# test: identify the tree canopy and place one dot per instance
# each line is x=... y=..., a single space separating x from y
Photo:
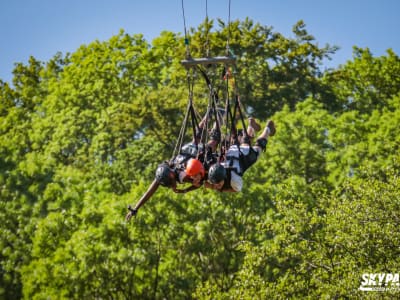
x=82 y=134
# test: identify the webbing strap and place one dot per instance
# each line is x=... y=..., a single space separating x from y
x=237 y=109
x=190 y=113
x=195 y=124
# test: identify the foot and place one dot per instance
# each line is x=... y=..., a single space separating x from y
x=253 y=123
x=271 y=127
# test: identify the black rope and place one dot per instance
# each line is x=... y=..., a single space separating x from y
x=228 y=118
x=190 y=113
x=186 y=35
x=231 y=116
x=212 y=109
x=229 y=29
x=212 y=106
x=237 y=102
x=195 y=126
x=207 y=33
x=179 y=142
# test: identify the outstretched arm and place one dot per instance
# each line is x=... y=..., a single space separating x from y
x=188 y=189
x=146 y=196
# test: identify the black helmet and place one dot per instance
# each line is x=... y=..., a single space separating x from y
x=216 y=173
x=163 y=174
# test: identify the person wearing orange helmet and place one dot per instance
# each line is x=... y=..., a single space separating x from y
x=186 y=167
x=195 y=171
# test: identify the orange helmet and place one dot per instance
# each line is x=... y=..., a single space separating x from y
x=194 y=167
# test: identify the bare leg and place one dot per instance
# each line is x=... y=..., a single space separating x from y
x=269 y=130
x=253 y=127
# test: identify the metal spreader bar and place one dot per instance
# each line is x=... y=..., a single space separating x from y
x=191 y=62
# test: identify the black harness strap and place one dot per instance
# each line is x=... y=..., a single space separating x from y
x=245 y=160
x=212 y=108
x=195 y=124
x=234 y=133
x=190 y=113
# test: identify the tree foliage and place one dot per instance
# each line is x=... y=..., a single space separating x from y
x=81 y=136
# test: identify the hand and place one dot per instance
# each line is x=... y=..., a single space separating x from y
x=132 y=212
x=208 y=185
x=177 y=191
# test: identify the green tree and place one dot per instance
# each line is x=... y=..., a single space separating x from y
x=81 y=135
x=364 y=83
x=272 y=70
x=322 y=252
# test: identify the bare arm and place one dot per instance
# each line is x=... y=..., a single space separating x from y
x=188 y=189
x=146 y=196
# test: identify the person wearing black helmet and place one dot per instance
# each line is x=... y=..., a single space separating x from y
x=238 y=160
x=216 y=177
x=166 y=175
x=184 y=168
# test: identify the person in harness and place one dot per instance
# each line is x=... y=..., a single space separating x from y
x=189 y=166
x=169 y=176
x=227 y=176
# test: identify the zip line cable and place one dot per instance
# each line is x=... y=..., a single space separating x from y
x=229 y=28
x=186 y=35
x=207 y=37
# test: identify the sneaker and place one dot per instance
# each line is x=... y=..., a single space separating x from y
x=253 y=123
x=271 y=127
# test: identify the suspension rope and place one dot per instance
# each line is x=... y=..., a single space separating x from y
x=228 y=113
x=212 y=95
x=207 y=37
x=189 y=113
x=186 y=34
x=235 y=113
x=229 y=29
x=233 y=110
